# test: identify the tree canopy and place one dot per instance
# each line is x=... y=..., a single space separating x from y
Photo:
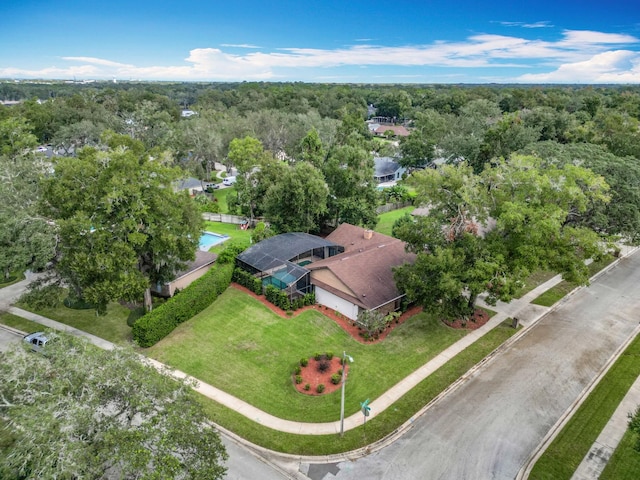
x=122 y=225
x=488 y=231
x=82 y=412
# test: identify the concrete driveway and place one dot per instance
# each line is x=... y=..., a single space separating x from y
x=488 y=427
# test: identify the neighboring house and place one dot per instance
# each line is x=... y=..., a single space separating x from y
x=194 y=270
x=192 y=184
x=280 y=260
x=387 y=169
x=350 y=271
x=187 y=113
x=361 y=278
x=398 y=131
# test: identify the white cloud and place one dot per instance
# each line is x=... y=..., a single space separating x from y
x=575 y=51
x=239 y=45
x=541 y=24
x=97 y=61
x=619 y=66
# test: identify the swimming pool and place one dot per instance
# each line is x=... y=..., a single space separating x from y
x=210 y=239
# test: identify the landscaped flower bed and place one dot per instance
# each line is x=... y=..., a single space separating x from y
x=319 y=371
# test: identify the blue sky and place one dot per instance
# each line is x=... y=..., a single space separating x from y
x=457 y=41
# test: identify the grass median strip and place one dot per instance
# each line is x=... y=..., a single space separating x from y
x=558 y=292
x=19 y=323
x=568 y=449
x=376 y=428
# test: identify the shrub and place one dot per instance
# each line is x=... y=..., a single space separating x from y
x=323 y=366
x=329 y=355
x=247 y=280
x=335 y=378
x=320 y=388
x=340 y=372
x=297 y=370
x=42 y=296
x=298 y=379
x=307 y=387
x=231 y=251
x=304 y=362
x=318 y=357
x=160 y=322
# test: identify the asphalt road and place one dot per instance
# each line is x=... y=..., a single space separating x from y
x=488 y=427
x=7 y=338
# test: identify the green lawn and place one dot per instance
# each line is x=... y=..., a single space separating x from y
x=386 y=220
x=19 y=323
x=536 y=278
x=221 y=197
x=624 y=464
x=376 y=428
x=554 y=294
x=237 y=235
x=14 y=277
x=240 y=346
x=114 y=326
x=568 y=449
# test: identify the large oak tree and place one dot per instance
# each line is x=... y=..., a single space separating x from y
x=122 y=226
x=489 y=231
x=81 y=412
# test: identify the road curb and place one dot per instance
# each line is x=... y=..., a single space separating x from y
x=568 y=414
x=525 y=470
x=13 y=330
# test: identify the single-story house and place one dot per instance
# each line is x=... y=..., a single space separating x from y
x=192 y=271
x=192 y=184
x=387 y=169
x=281 y=260
x=350 y=270
x=398 y=130
x=361 y=278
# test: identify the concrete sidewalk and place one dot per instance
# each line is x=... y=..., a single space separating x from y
x=521 y=308
x=594 y=462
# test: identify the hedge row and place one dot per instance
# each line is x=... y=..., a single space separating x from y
x=160 y=322
x=280 y=299
x=247 y=280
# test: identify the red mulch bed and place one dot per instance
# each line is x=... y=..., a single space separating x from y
x=347 y=325
x=478 y=319
x=312 y=376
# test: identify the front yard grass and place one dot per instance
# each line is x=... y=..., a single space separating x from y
x=376 y=428
x=19 y=323
x=568 y=449
x=387 y=219
x=114 y=326
x=558 y=292
x=240 y=346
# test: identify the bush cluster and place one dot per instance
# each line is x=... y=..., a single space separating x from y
x=231 y=251
x=247 y=280
x=280 y=299
x=160 y=322
x=335 y=378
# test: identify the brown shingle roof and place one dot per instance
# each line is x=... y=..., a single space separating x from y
x=366 y=267
x=202 y=259
x=397 y=130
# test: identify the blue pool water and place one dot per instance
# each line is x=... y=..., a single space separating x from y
x=210 y=239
